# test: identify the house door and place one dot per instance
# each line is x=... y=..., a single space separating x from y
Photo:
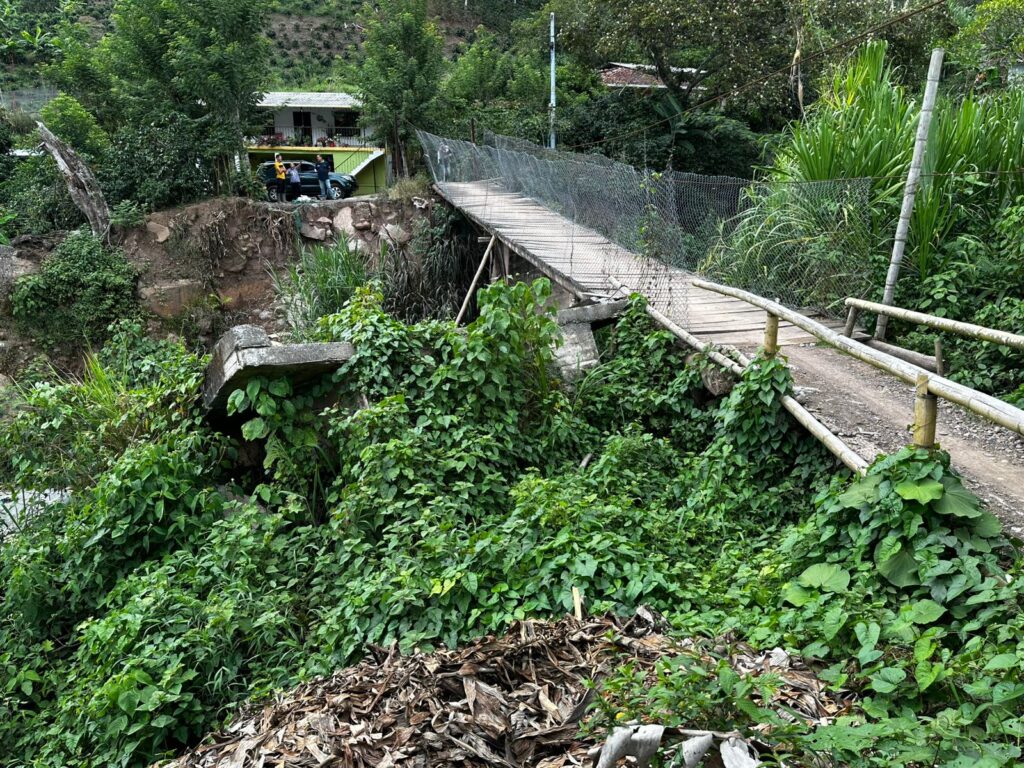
x=303 y=124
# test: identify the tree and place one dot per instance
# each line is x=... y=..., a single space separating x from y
x=993 y=39
x=70 y=121
x=168 y=61
x=724 y=49
x=401 y=72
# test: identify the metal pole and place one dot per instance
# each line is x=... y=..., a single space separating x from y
x=554 y=102
x=913 y=177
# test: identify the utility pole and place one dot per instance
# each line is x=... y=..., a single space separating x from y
x=913 y=177
x=551 y=107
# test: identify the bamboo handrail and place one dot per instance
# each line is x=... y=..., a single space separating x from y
x=986 y=406
x=969 y=330
x=805 y=418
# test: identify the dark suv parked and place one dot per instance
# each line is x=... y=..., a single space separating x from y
x=342 y=184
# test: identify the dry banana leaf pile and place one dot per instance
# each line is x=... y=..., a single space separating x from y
x=515 y=700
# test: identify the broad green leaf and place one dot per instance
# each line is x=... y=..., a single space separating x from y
x=861 y=492
x=957 y=500
x=927 y=672
x=867 y=634
x=987 y=525
x=923 y=491
x=1002 y=661
x=925 y=611
x=900 y=569
x=128 y=701
x=796 y=595
x=255 y=429
x=886 y=680
x=826 y=577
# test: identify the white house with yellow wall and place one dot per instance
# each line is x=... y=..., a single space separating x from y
x=302 y=124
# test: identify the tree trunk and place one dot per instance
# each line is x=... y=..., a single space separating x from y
x=82 y=185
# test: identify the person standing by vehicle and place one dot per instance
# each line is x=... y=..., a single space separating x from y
x=279 y=177
x=323 y=168
x=294 y=181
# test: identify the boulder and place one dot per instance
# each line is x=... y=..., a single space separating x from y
x=358 y=245
x=313 y=232
x=362 y=217
x=159 y=231
x=234 y=261
x=396 y=234
x=343 y=221
x=171 y=299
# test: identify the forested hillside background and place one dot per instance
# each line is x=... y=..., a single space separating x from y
x=484 y=64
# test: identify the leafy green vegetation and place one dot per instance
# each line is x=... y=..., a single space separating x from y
x=436 y=488
x=81 y=289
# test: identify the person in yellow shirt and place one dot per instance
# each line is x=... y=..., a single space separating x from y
x=279 y=174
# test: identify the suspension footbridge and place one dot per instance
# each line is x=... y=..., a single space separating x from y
x=705 y=256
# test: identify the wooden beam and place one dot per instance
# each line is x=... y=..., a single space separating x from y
x=476 y=279
x=986 y=406
x=925 y=414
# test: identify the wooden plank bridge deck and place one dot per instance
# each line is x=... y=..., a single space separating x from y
x=865 y=407
x=583 y=260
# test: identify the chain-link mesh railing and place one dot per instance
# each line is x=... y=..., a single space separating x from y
x=807 y=244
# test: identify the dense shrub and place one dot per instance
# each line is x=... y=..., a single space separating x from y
x=81 y=289
x=70 y=121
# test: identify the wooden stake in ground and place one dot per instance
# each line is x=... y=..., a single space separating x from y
x=476 y=279
x=82 y=185
x=913 y=177
x=925 y=414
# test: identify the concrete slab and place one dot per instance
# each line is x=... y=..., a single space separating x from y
x=245 y=352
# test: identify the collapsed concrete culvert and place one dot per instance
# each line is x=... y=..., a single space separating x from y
x=514 y=700
x=246 y=351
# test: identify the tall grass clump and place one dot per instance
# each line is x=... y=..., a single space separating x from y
x=864 y=127
x=322 y=281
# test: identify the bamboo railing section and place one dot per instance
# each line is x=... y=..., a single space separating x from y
x=992 y=408
x=970 y=330
x=805 y=418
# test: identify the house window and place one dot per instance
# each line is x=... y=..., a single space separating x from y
x=345 y=121
x=303 y=124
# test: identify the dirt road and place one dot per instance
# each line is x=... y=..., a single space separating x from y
x=872 y=412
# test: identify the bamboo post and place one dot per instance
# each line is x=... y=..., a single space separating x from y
x=940 y=362
x=771 y=335
x=476 y=279
x=851 y=321
x=913 y=177
x=925 y=414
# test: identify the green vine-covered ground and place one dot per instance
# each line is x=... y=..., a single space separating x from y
x=434 y=489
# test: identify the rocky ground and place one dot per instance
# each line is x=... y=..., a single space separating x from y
x=208 y=266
